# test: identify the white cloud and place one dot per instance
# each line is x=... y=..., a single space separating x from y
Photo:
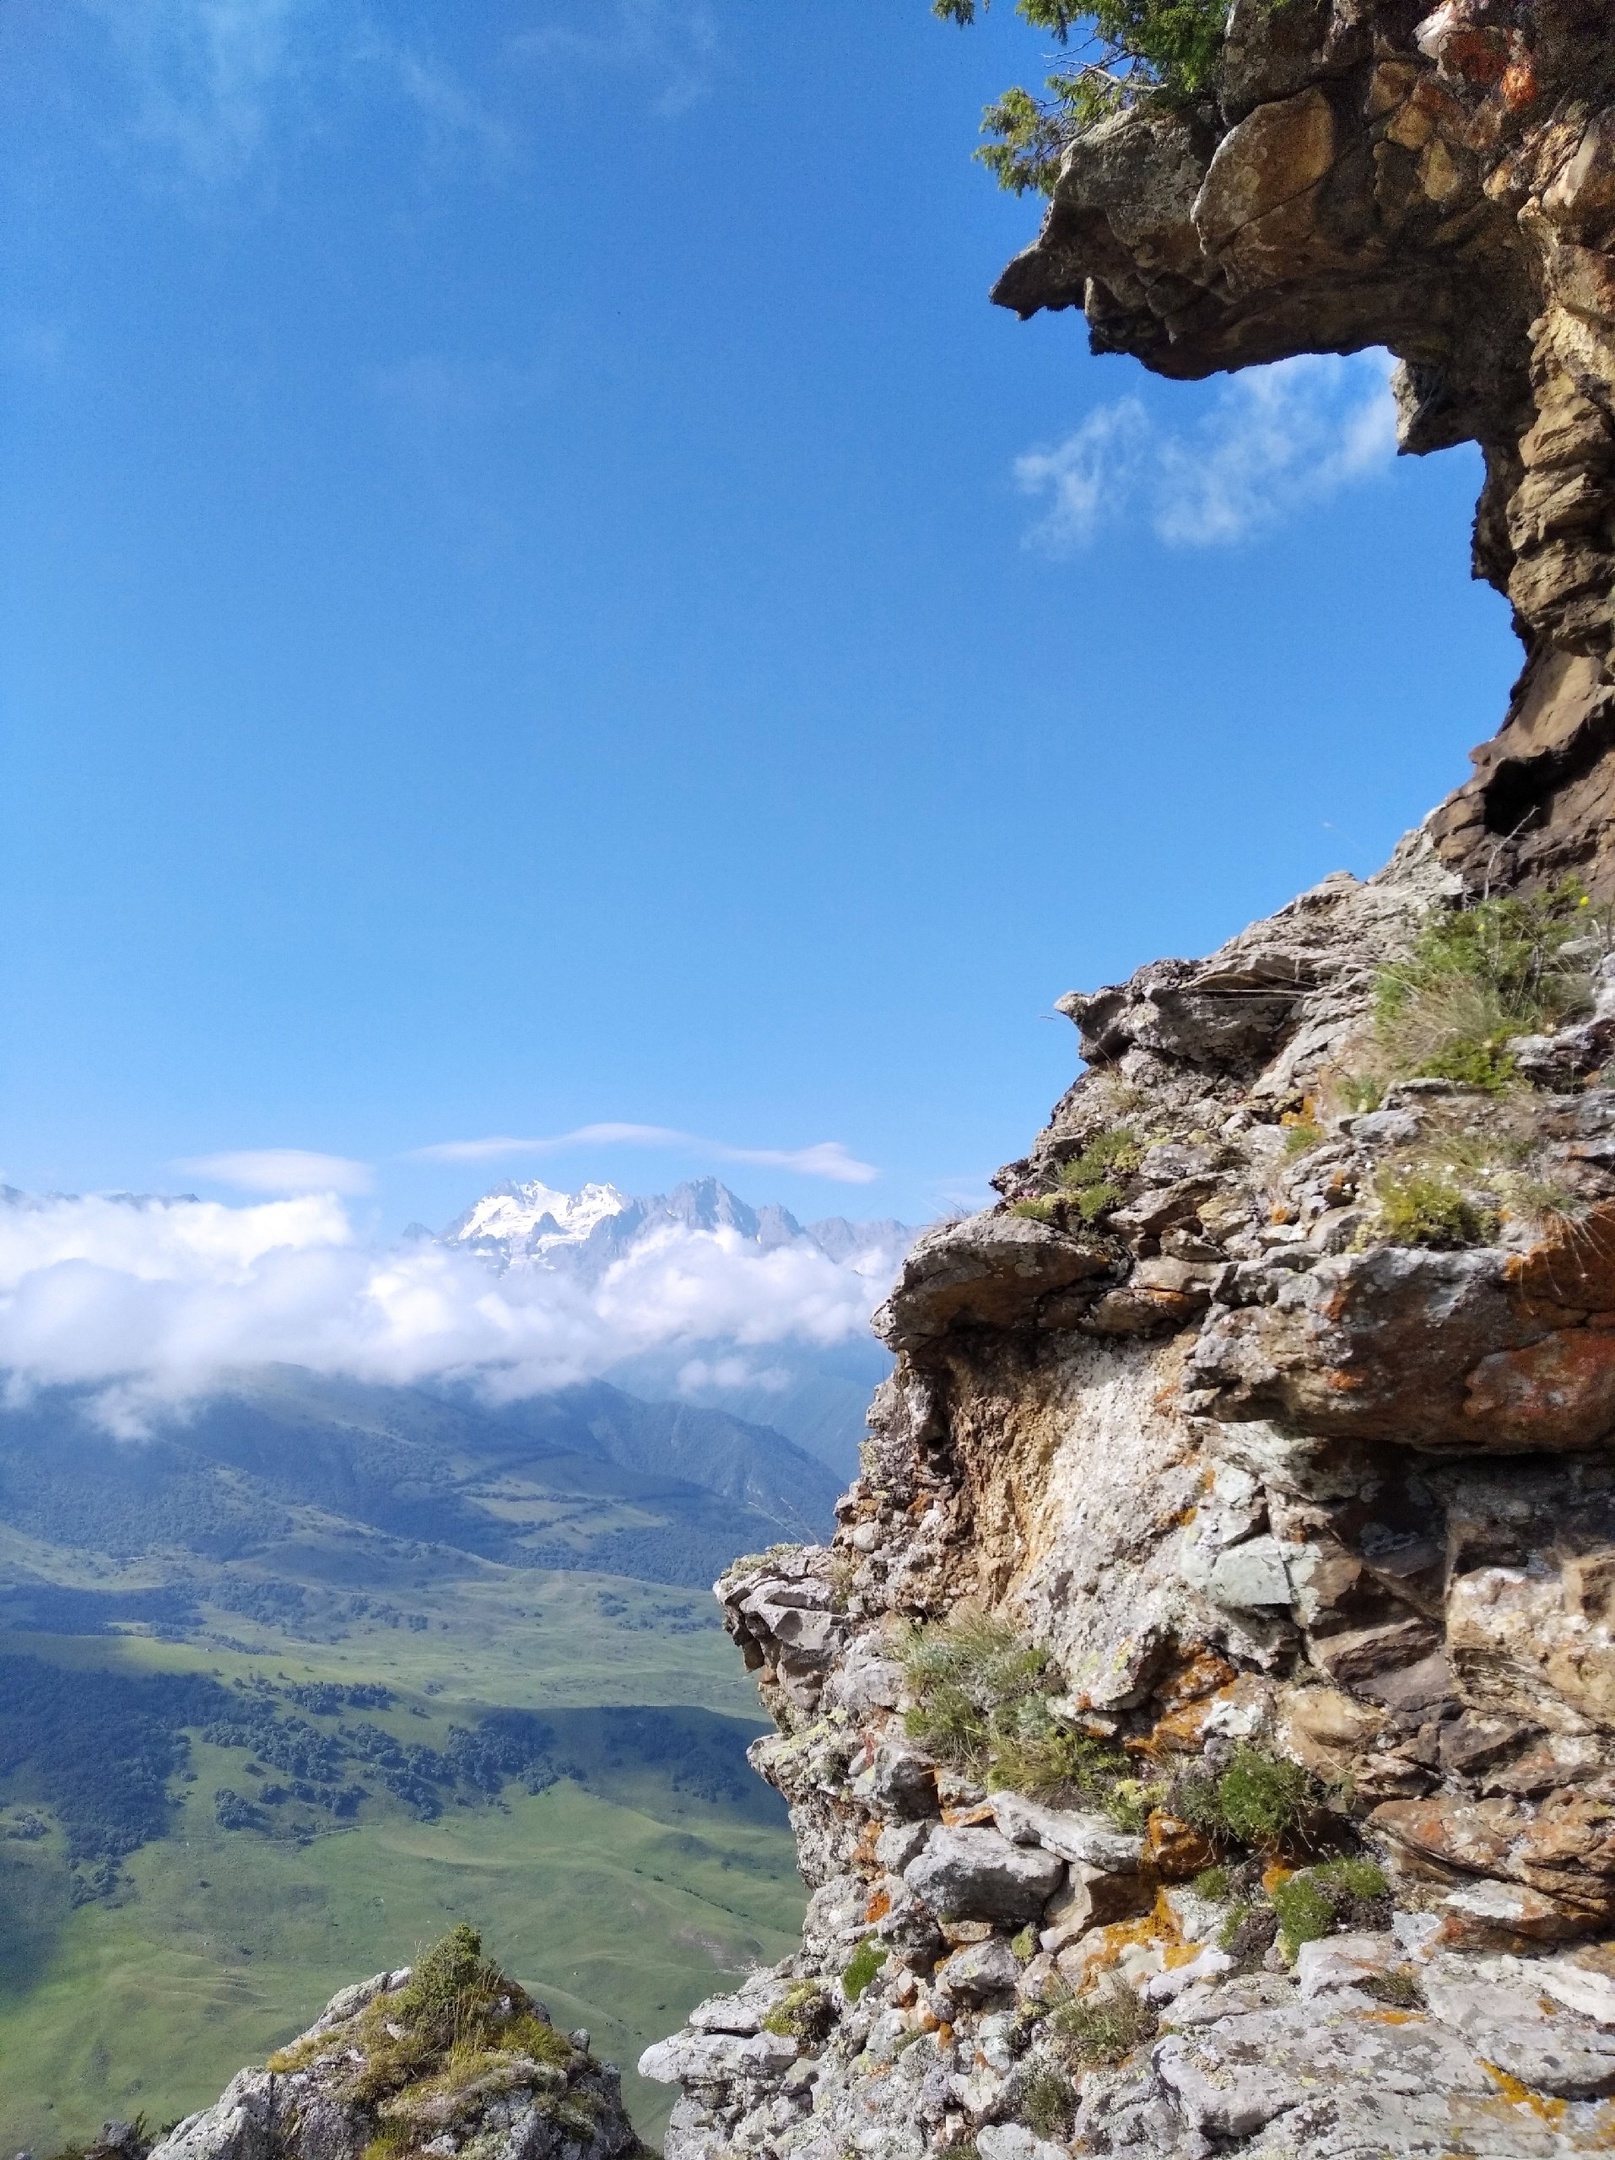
x=282 y=1170
x=209 y=80
x=1277 y=439
x=826 y=1159
x=204 y=73
x=672 y=45
x=152 y=1302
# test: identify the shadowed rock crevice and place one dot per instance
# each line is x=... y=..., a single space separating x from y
x=1440 y=182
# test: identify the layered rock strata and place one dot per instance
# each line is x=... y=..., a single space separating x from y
x=1441 y=182
x=1255 y=1477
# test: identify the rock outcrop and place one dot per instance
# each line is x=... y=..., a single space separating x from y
x=1270 y=1491
x=1439 y=181
x=451 y=2059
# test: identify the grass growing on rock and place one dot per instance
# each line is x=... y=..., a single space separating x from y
x=1425 y=1207
x=1086 y=1184
x=1048 y=2102
x=1515 y=965
x=983 y=1702
x=1259 y=1800
x=459 y=2031
x=1103 y=2027
x=804 y=2013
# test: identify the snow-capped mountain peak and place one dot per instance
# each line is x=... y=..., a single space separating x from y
x=532 y=1225
x=530 y=1221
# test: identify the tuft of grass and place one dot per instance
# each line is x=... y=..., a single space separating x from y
x=1359 y=1092
x=458 y=2021
x=1258 y=1800
x=1211 y=1884
x=1301 y=1136
x=1048 y=2102
x=1104 y=2027
x=1043 y=1208
x=1090 y=1178
x=1357 y=1877
x=1424 y=1207
x=1228 y=1933
x=982 y=1704
x=1477 y=976
x=865 y=1962
x=1306 y=1912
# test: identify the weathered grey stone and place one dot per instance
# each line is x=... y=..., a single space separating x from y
x=979 y=1875
x=1093 y=1839
x=713 y=2057
x=979 y=1972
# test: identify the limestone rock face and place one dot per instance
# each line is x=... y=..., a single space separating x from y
x=1439 y=180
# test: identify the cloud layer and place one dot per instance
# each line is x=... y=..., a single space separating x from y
x=1278 y=439
x=825 y=1159
x=282 y=1170
x=151 y=1302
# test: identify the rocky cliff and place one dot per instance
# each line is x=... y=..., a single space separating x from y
x=1200 y=1733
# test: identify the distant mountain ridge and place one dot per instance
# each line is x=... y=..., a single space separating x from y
x=816 y=1395
x=587 y=1478
x=535 y=1225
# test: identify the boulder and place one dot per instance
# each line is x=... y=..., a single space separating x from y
x=992 y=1271
x=1092 y=1839
x=980 y=1875
x=979 y=1972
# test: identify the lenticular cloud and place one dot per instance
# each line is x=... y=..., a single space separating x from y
x=152 y=1302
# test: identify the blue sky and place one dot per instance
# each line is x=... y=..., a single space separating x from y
x=538 y=594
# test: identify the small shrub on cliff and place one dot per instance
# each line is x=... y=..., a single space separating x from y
x=1306 y=1912
x=1424 y=1207
x=1090 y=1178
x=1477 y=976
x=459 y=2021
x=982 y=1704
x=1123 y=51
x=1104 y=2027
x=1048 y=2102
x=1258 y=1800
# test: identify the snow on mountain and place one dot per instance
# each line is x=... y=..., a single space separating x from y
x=815 y=1392
x=534 y=1226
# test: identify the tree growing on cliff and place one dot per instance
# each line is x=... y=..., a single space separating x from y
x=1114 y=53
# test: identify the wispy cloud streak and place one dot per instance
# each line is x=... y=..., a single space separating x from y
x=825 y=1159
x=1277 y=440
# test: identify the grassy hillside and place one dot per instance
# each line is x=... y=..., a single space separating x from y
x=636 y=1882
x=288 y=1687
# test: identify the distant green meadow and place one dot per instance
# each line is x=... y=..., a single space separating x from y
x=648 y=1869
